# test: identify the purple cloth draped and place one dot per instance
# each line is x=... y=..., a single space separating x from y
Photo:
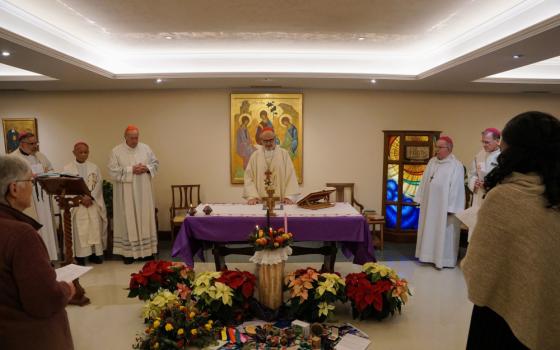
x=352 y=232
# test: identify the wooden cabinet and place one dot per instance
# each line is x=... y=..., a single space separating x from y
x=405 y=156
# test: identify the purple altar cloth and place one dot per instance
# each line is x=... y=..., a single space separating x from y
x=352 y=232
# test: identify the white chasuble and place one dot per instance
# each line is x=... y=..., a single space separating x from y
x=441 y=194
x=41 y=207
x=89 y=225
x=134 y=223
x=482 y=164
x=283 y=175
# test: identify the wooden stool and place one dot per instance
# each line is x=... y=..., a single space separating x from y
x=374 y=219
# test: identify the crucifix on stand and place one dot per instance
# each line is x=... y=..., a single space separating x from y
x=270 y=200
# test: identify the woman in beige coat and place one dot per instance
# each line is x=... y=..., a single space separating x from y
x=512 y=266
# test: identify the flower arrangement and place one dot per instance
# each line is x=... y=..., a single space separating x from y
x=179 y=327
x=270 y=239
x=159 y=301
x=313 y=294
x=156 y=275
x=226 y=294
x=376 y=292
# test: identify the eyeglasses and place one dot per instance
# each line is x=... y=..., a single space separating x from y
x=30 y=180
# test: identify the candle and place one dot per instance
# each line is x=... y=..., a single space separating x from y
x=285 y=220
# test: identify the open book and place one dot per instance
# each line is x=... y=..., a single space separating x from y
x=317 y=199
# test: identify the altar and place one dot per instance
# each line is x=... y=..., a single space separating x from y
x=338 y=226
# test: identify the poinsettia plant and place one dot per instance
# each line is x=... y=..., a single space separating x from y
x=270 y=239
x=313 y=294
x=225 y=294
x=179 y=327
x=159 y=274
x=376 y=292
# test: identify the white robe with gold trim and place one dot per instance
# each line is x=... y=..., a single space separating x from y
x=134 y=223
x=89 y=225
x=41 y=209
x=283 y=175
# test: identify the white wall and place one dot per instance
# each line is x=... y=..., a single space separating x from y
x=189 y=131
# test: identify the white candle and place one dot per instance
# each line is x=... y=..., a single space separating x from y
x=285 y=220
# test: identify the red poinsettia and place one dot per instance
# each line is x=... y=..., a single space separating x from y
x=365 y=293
x=159 y=274
x=237 y=279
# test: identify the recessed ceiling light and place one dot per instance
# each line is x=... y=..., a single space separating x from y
x=361 y=38
x=373 y=81
x=168 y=37
x=517 y=56
x=159 y=81
x=6 y=53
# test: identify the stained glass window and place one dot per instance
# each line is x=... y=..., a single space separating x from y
x=409 y=218
x=394 y=146
x=391 y=216
x=392 y=182
x=412 y=174
x=417 y=138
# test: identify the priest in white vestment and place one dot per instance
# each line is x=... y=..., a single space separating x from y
x=41 y=209
x=89 y=219
x=276 y=160
x=441 y=194
x=483 y=163
x=132 y=166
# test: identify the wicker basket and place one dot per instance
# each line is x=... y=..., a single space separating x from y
x=271 y=278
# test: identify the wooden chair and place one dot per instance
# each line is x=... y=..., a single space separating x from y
x=375 y=219
x=182 y=196
x=341 y=191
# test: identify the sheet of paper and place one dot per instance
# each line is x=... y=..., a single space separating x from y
x=352 y=342
x=70 y=272
x=468 y=216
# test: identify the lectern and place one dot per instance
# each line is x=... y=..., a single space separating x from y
x=68 y=192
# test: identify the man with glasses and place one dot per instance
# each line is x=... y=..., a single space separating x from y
x=276 y=160
x=483 y=163
x=441 y=194
x=40 y=209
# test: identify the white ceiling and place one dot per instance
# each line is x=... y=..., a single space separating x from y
x=443 y=45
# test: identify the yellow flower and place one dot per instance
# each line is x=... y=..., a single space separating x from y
x=169 y=327
x=208 y=326
x=224 y=292
x=180 y=331
x=375 y=268
x=192 y=314
x=324 y=308
x=211 y=322
x=194 y=331
x=156 y=324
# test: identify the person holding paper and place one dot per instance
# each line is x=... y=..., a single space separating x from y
x=89 y=219
x=32 y=302
x=40 y=208
x=483 y=163
x=441 y=194
x=276 y=160
x=132 y=166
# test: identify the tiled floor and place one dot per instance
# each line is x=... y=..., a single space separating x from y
x=436 y=317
